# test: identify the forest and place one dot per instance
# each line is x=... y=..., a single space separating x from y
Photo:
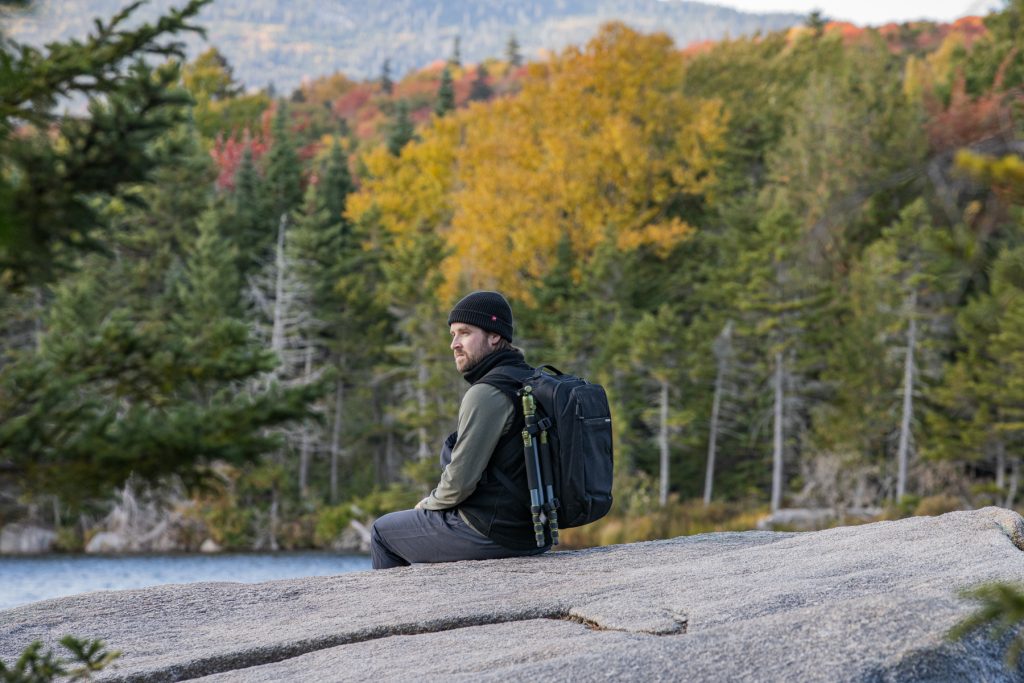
x=794 y=260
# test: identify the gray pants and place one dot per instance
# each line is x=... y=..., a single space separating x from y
x=401 y=538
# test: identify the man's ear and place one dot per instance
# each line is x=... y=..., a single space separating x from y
x=493 y=338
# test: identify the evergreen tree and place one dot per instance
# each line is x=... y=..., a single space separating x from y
x=221 y=105
x=121 y=387
x=657 y=354
x=387 y=86
x=480 y=89
x=343 y=279
x=455 y=60
x=816 y=21
x=55 y=165
x=445 y=94
x=980 y=420
x=283 y=175
x=401 y=131
x=207 y=292
x=246 y=223
x=782 y=309
x=512 y=54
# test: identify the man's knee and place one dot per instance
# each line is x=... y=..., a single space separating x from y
x=382 y=555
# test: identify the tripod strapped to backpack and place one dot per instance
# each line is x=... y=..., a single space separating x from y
x=536 y=451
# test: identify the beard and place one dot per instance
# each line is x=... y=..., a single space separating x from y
x=469 y=362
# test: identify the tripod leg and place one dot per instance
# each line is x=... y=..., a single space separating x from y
x=536 y=494
x=548 y=481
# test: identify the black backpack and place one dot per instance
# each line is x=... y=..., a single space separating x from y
x=578 y=421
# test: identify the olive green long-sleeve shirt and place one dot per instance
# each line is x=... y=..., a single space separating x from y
x=484 y=416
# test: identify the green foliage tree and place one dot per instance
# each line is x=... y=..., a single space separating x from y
x=344 y=279
x=221 y=105
x=401 y=131
x=445 y=94
x=456 y=59
x=54 y=165
x=387 y=85
x=512 y=54
x=283 y=173
x=657 y=354
x=816 y=21
x=480 y=89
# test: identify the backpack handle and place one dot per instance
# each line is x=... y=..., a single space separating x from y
x=552 y=369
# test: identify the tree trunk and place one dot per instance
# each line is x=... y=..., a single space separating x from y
x=306 y=444
x=339 y=396
x=273 y=521
x=421 y=399
x=778 y=440
x=40 y=306
x=1011 y=494
x=389 y=457
x=663 y=443
x=277 y=333
x=1000 y=465
x=902 y=454
x=722 y=353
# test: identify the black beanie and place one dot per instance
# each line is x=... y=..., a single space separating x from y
x=487 y=310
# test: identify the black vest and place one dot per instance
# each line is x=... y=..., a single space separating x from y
x=499 y=507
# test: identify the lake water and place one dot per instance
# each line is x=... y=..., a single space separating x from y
x=28 y=579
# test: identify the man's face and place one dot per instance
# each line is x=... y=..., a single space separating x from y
x=470 y=344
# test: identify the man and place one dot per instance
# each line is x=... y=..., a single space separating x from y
x=480 y=509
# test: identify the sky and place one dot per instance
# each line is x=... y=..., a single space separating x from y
x=871 y=12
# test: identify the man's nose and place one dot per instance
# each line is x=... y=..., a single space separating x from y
x=454 y=343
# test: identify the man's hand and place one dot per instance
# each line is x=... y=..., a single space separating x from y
x=422 y=505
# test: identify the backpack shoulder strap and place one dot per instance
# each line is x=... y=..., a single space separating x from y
x=508 y=379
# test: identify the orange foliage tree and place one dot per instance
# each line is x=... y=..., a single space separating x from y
x=599 y=148
x=600 y=145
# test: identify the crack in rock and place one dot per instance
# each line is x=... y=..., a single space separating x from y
x=625 y=613
x=679 y=628
x=246 y=659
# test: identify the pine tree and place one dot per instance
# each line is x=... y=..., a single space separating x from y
x=782 y=310
x=120 y=386
x=816 y=21
x=56 y=165
x=247 y=224
x=445 y=94
x=342 y=277
x=658 y=355
x=210 y=285
x=387 y=86
x=401 y=132
x=512 y=54
x=455 y=60
x=980 y=419
x=480 y=89
x=283 y=172
x=723 y=356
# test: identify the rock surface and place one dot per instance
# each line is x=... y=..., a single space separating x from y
x=107 y=542
x=866 y=603
x=26 y=539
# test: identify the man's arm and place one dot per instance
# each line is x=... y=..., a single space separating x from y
x=485 y=414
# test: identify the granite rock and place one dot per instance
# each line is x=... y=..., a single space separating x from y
x=26 y=539
x=862 y=603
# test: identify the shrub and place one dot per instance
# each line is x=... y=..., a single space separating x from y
x=36 y=666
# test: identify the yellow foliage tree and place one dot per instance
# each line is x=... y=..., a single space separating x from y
x=410 y=193
x=600 y=145
x=600 y=148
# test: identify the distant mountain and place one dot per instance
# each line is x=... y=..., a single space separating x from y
x=285 y=41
